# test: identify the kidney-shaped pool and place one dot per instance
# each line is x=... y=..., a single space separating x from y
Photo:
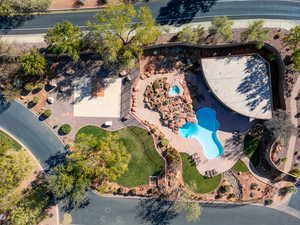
x=205 y=132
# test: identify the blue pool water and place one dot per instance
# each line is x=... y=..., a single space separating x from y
x=174 y=90
x=205 y=132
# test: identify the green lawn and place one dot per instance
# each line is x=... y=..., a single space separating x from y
x=251 y=149
x=7 y=143
x=240 y=166
x=144 y=162
x=195 y=180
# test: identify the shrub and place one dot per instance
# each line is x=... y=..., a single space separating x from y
x=252 y=195
x=291 y=188
x=231 y=195
x=65 y=128
x=33 y=63
x=47 y=113
x=155 y=85
x=253 y=186
x=226 y=188
x=132 y=192
x=268 y=202
x=29 y=87
x=164 y=142
x=39 y=86
x=283 y=159
x=35 y=100
x=295 y=172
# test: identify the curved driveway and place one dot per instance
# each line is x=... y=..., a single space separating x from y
x=27 y=128
x=172 y=12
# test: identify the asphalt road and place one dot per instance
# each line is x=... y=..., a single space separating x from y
x=27 y=128
x=114 y=211
x=172 y=12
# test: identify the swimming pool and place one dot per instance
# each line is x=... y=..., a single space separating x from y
x=205 y=132
x=174 y=90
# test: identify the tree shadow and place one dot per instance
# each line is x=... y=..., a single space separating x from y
x=9 y=23
x=4 y=104
x=58 y=159
x=156 y=211
x=255 y=86
x=178 y=12
x=75 y=79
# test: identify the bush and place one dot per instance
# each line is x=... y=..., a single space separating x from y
x=65 y=129
x=164 y=142
x=252 y=195
x=35 y=100
x=155 y=85
x=295 y=172
x=268 y=202
x=291 y=188
x=29 y=87
x=47 y=113
x=39 y=86
x=253 y=186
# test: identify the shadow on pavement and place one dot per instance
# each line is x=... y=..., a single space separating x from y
x=178 y=12
x=155 y=212
x=4 y=105
x=13 y=22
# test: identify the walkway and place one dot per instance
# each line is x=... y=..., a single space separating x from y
x=294 y=120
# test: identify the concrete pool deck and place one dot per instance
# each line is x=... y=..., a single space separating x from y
x=248 y=87
x=229 y=121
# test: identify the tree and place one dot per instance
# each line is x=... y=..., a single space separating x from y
x=32 y=207
x=191 y=209
x=280 y=125
x=293 y=38
x=191 y=35
x=121 y=33
x=296 y=59
x=92 y=158
x=105 y=158
x=65 y=38
x=256 y=32
x=222 y=26
x=13 y=7
x=14 y=167
x=33 y=63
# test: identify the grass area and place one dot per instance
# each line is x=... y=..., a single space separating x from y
x=251 y=145
x=8 y=143
x=144 y=162
x=240 y=166
x=194 y=179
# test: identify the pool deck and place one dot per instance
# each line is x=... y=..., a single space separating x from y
x=229 y=121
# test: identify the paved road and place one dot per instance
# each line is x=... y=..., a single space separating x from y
x=34 y=134
x=108 y=211
x=172 y=12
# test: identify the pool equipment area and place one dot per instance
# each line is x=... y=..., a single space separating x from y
x=175 y=90
x=205 y=132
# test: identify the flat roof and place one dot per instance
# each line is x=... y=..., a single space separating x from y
x=242 y=83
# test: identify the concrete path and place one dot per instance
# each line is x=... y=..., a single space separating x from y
x=294 y=120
